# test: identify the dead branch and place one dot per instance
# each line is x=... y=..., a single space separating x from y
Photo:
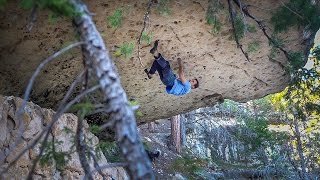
x=27 y=93
x=262 y=27
x=62 y=109
x=96 y=163
x=139 y=166
x=231 y=12
x=112 y=165
x=145 y=20
x=32 y=18
x=81 y=148
x=55 y=118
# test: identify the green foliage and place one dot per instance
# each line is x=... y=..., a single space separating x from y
x=111 y=151
x=146 y=145
x=147 y=38
x=296 y=13
x=212 y=16
x=163 y=7
x=239 y=26
x=115 y=20
x=215 y=23
x=251 y=28
x=136 y=103
x=83 y=108
x=296 y=60
x=189 y=165
x=53 y=18
x=253 y=46
x=300 y=104
x=2 y=3
x=61 y=7
x=94 y=129
x=50 y=156
x=275 y=42
x=125 y=49
x=259 y=127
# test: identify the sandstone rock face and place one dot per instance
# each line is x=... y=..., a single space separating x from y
x=213 y=58
x=35 y=119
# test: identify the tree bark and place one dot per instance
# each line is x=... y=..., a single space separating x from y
x=97 y=57
x=183 y=131
x=297 y=135
x=176 y=133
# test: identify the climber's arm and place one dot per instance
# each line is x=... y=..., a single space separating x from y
x=181 y=72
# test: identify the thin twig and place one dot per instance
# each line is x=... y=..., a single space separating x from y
x=284 y=5
x=56 y=116
x=145 y=19
x=32 y=18
x=231 y=12
x=112 y=165
x=263 y=28
x=28 y=90
x=96 y=163
x=81 y=148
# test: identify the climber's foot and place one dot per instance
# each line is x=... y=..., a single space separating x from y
x=155 y=47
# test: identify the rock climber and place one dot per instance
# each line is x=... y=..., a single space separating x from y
x=176 y=86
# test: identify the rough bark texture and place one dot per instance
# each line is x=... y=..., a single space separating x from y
x=36 y=119
x=176 y=133
x=214 y=59
x=97 y=56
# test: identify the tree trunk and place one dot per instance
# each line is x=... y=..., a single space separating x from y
x=176 y=133
x=183 y=130
x=96 y=56
x=297 y=135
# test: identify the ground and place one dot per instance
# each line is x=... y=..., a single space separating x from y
x=160 y=140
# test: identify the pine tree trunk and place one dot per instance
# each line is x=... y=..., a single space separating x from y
x=176 y=133
x=121 y=113
x=183 y=130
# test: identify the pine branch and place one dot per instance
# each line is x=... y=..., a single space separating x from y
x=262 y=27
x=231 y=12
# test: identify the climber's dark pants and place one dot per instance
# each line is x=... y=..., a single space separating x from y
x=163 y=67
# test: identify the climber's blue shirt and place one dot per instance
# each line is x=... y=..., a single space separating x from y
x=179 y=88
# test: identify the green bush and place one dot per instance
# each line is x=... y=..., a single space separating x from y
x=2 y=3
x=215 y=23
x=296 y=13
x=189 y=165
x=253 y=46
x=147 y=38
x=214 y=8
x=125 y=49
x=163 y=7
x=239 y=27
x=61 y=7
x=115 y=20
x=111 y=151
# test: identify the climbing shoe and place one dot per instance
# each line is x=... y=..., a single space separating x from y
x=147 y=72
x=155 y=47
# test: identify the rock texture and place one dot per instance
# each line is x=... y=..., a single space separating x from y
x=214 y=59
x=35 y=120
